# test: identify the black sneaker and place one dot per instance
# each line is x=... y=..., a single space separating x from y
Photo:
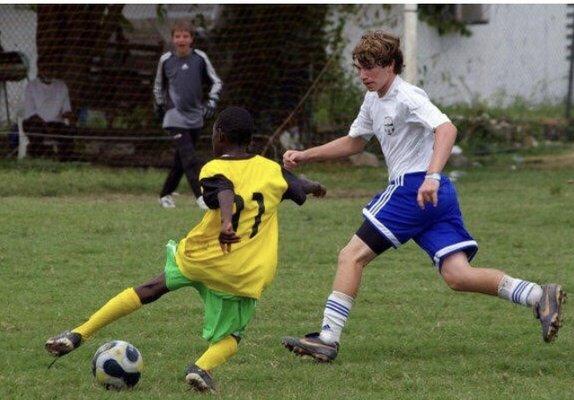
x=549 y=310
x=64 y=343
x=311 y=345
x=199 y=379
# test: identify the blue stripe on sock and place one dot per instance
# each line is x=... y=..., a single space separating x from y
x=529 y=291
x=518 y=291
x=515 y=291
x=522 y=291
x=343 y=310
x=337 y=311
x=338 y=305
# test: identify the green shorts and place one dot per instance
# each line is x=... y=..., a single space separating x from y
x=225 y=314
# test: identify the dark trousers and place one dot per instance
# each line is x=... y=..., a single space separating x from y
x=186 y=161
x=37 y=146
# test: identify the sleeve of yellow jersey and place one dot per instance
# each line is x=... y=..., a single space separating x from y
x=208 y=170
x=212 y=182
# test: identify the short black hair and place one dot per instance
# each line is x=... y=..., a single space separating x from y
x=236 y=124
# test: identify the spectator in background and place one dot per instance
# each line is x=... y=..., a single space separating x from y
x=179 y=99
x=47 y=111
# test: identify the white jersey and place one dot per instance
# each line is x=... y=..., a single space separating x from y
x=49 y=101
x=403 y=120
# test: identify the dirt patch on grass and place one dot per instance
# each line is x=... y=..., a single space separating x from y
x=551 y=161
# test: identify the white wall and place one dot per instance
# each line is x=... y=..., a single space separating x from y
x=17 y=33
x=520 y=52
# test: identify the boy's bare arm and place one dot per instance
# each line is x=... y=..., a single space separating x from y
x=312 y=187
x=227 y=235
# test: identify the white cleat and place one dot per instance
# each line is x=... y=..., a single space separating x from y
x=167 y=201
x=201 y=203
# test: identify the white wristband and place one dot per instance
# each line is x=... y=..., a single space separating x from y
x=435 y=176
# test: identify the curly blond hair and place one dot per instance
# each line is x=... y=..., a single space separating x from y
x=379 y=48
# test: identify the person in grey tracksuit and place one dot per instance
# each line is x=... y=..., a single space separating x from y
x=179 y=100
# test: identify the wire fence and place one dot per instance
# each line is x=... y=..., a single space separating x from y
x=288 y=64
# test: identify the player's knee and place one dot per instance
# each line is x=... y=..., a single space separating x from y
x=456 y=276
x=454 y=281
x=150 y=292
x=349 y=258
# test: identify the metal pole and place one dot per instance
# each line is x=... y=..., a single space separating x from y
x=410 y=49
x=6 y=102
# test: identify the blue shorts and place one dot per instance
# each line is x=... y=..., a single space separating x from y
x=438 y=230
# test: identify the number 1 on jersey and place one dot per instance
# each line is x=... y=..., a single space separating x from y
x=240 y=205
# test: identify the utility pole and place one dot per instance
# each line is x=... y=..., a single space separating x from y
x=410 y=48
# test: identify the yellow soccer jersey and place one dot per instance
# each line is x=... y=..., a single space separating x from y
x=259 y=185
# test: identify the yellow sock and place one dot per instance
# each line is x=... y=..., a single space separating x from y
x=123 y=304
x=217 y=354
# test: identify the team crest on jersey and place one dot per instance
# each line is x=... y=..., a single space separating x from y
x=389 y=126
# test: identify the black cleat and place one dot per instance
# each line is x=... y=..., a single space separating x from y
x=549 y=310
x=199 y=380
x=311 y=345
x=64 y=343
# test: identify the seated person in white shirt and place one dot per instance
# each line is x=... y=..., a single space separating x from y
x=47 y=111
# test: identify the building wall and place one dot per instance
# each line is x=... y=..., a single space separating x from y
x=17 y=33
x=520 y=52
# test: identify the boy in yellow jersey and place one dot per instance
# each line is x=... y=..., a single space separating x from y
x=230 y=257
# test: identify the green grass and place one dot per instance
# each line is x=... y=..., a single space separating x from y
x=72 y=237
x=519 y=110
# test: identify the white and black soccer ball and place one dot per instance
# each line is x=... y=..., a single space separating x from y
x=117 y=365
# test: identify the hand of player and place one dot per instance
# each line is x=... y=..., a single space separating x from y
x=312 y=187
x=209 y=109
x=227 y=236
x=428 y=193
x=292 y=158
x=319 y=190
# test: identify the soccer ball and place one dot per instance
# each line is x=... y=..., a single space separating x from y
x=117 y=365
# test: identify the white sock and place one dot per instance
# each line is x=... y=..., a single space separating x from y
x=519 y=291
x=335 y=316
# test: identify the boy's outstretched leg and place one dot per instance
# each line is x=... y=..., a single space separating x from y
x=121 y=305
x=198 y=375
x=546 y=301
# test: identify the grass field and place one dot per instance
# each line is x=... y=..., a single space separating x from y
x=73 y=236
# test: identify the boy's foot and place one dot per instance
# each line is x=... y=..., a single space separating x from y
x=549 y=310
x=199 y=379
x=311 y=345
x=167 y=201
x=201 y=203
x=64 y=343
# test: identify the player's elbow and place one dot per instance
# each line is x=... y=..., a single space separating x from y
x=453 y=129
x=447 y=130
x=357 y=145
